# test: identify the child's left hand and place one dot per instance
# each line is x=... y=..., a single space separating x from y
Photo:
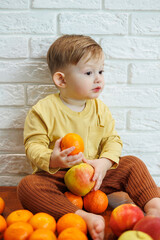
x=101 y=166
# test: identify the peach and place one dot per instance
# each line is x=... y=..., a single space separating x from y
x=124 y=217
x=134 y=235
x=78 y=179
x=149 y=225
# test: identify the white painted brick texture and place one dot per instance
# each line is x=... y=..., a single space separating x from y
x=128 y=31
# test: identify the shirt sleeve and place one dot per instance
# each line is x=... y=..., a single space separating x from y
x=36 y=142
x=111 y=143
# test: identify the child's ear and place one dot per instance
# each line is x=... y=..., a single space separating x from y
x=59 y=79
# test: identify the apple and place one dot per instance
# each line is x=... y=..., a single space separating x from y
x=149 y=225
x=78 y=179
x=124 y=217
x=134 y=235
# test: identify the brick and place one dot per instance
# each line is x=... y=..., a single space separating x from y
x=131 y=48
x=120 y=118
x=144 y=73
x=141 y=142
x=144 y=120
x=10 y=180
x=39 y=46
x=13 y=47
x=28 y=22
x=35 y=93
x=80 y=4
x=115 y=72
x=14 y=164
x=18 y=4
x=124 y=96
x=11 y=95
x=132 y=5
x=25 y=71
x=12 y=141
x=15 y=120
x=82 y=23
x=145 y=23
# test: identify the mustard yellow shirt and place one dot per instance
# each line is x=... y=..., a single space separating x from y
x=50 y=119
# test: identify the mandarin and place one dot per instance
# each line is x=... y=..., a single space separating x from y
x=3 y=226
x=2 y=205
x=42 y=234
x=70 y=140
x=21 y=215
x=72 y=233
x=95 y=202
x=18 y=231
x=71 y=220
x=76 y=200
x=43 y=220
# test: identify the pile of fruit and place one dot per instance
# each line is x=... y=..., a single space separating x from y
x=127 y=221
x=24 y=225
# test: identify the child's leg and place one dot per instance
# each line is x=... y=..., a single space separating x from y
x=133 y=177
x=44 y=193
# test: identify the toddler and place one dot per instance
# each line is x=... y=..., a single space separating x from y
x=76 y=63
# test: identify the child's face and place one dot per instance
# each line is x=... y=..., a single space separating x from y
x=85 y=80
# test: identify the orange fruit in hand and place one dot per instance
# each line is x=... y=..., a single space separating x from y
x=42 y=234
x=21 y=215
x=72 y=234
x=18 y=231
x=70 y=140
x=71 y=220
x=76 y=200
x=3 y=226
x=43 y=220
x=95 y=202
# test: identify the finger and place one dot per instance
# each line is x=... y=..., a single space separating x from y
x=98 y=184
x=67 y=151
x=76 y=157
x=57 y=143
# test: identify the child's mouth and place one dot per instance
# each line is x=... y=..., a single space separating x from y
x=97 y=89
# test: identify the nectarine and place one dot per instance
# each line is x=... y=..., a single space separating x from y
x=124 y=217
x=78 y=179
x=149 y=225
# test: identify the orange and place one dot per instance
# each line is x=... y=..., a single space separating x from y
x=72 y=234
x=21 y=215
x=95 y=202
x=18 y=231
x=76 y=200
x=71 y=220
x=70 y=140
x=42 y=234
x=43 y=220
x=3 y=226
x=2 y=205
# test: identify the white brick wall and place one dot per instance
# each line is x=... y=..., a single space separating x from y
x=129 y=32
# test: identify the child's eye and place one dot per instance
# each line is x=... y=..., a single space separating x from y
x=101 y=72
x=88 y=73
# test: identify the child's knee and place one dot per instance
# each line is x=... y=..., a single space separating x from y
x=132 y=161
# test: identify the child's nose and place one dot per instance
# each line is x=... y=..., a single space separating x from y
x=97 y=78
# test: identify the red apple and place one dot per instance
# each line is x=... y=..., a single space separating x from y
x=78 y=179
x=124 y=217
x=149 y=225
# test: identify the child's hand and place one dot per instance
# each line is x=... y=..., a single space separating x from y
x=101 y=166
x=61 y=159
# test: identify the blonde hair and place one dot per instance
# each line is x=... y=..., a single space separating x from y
x=69 y=49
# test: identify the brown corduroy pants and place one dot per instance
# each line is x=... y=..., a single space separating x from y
x=44 y=192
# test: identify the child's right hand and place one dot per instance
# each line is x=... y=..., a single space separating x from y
x=60 y=159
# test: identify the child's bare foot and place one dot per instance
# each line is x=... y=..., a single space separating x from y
x=95 y=224
x=153 y=207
